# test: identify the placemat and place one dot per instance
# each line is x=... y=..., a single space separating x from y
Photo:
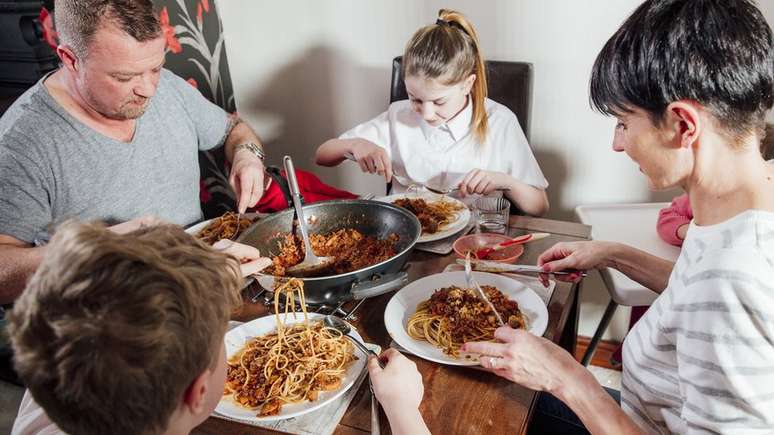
x=321 y=421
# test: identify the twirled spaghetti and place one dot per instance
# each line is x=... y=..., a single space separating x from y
x=223 y=227
x=454 y=315
x=291 y=365
x=434 y=216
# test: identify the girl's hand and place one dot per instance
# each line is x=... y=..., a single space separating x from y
x=372 y=158
x=482 y=182
x=249 y=257
x=524 y=358
x=398 y=385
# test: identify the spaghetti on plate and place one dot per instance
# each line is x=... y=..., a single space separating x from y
x=432 y=215
x=291 y=365
x=223 y=227
x=455 y=315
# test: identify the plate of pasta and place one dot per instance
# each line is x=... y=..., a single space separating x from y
x=440 y=216
x=222 y=227
x=433 y=316
x=286 y=364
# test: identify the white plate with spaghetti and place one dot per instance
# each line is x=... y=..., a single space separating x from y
x=195 y=229
x=404 y=304
x=237 y=338
x=457 y=221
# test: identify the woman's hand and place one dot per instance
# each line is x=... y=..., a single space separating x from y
x=372 y=158
x=398 y=385
x=525 y=358
x=483 y=182
x=576 y=256
x=249 y=257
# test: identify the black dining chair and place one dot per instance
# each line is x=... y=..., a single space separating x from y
x=508 y=83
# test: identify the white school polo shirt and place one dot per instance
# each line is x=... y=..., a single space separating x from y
x=442 y=156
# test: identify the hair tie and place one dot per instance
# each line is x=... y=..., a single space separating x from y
x=453 y=24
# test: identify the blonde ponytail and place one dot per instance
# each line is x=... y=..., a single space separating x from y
x=449 y=50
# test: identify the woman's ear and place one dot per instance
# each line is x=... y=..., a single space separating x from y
x=685 y=119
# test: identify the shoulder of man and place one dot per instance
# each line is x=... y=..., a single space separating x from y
x=29 y=123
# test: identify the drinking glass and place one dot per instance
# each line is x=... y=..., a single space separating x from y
x=492 y=214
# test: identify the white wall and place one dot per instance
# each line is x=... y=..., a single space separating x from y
x=321 y=67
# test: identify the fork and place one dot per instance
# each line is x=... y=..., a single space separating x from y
x=239 y=224
x=439 y=191
x=473 y=284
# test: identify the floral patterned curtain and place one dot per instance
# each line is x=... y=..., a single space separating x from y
x=196 y=52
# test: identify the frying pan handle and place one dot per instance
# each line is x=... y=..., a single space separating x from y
x=379 y=286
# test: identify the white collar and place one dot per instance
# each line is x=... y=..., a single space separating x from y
x=458 y=126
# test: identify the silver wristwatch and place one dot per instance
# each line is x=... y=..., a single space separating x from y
x=253 y=148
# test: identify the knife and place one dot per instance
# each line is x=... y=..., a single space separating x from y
x=495 y=267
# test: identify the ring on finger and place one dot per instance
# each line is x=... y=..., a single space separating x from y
x=494 y=361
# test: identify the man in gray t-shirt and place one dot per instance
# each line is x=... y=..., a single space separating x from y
x=111 y=136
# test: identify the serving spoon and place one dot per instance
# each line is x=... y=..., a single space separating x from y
x=312 y=264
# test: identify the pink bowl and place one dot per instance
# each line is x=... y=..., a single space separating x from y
x=474 y=242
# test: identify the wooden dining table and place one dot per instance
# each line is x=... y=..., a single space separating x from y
x=457 y=399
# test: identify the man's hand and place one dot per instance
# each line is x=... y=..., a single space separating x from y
x=247 y=178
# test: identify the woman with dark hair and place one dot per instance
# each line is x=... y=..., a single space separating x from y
x=690 y=83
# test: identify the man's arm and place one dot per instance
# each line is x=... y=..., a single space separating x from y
x=18 y=261
x=247 y=169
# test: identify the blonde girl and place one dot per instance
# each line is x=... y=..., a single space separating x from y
x=448 y=133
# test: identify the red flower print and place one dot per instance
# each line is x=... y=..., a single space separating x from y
x=206 y=4
x=199 y=14
x=204 y=194
x=169 y=32
x=49 y=33
x=193 y=83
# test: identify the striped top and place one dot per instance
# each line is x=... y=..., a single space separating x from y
x=701 y=360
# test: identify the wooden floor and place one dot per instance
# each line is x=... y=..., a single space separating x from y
x=605 y=350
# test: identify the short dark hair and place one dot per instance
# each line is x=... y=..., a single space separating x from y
x=78 y=20
x=112 y=329
x=719 y=53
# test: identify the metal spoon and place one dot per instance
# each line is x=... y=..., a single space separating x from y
x=342 y=326
x=312 y=264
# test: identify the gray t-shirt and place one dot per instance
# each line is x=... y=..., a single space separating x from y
x=53 y=167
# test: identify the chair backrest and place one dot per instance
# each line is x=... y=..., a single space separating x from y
x=509 y=83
